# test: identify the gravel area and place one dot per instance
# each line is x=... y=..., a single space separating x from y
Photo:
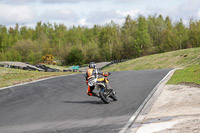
x=176 y=110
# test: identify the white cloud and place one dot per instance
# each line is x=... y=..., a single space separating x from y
x=82 y=21
x=199 y=14
x=16 y=2
x=90 y=12
x=10 y=14
x=103 y=17
x=132 y=13
x=124 y=1
x=62 y=15
x=45 y=1
x=186 y=10
x=67 y=1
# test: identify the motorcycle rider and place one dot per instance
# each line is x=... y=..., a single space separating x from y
x=93 y=72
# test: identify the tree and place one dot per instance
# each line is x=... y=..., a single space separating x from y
x=23 y=48
x=110 y=42
x=194 y=33
x=128 y=36
x=91 y=52
x=135 y=38
x=75 y=57
x=142 y=39
x=156 y=26
x=26 y=33
x=181 y=35
x=4 y=39
x=168 y=37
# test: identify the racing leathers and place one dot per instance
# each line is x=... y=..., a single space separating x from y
x=93 y=72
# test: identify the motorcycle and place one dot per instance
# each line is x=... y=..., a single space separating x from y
x=105 y=92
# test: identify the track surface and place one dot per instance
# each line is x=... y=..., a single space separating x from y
x=61 y=105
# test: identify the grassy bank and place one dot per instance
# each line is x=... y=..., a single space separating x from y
x=15 y=76
x=188 y=75
x=175 y=59
x=187 y=58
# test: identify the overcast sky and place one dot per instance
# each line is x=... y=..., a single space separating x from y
x=90 y=12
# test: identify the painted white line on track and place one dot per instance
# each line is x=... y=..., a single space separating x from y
x=34 y=81
x=135 y=115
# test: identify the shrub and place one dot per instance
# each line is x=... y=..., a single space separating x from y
x=48 y=59
x=75 y=57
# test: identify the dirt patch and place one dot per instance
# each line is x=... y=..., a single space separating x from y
x=190 y=84
x=176 y=100
x=175 y=111
x=189 y=125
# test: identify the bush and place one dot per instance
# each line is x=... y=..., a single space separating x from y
x=75 y=57
x=48 y=59
x=13 y=55
x=2 y=57
x=24 y=51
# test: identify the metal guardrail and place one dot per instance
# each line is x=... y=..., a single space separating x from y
x=34 y=68
x=114 y=62
x=83 y=66
x=48 y=69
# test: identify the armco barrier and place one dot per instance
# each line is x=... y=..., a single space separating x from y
x=83 y=66
x=29 y=68
x=114 y=62
x=47 y=69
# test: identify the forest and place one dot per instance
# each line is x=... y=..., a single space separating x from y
x=78 y=45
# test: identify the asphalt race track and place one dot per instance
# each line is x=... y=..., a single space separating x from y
x=61 y=105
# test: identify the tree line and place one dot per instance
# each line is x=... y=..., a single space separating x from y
x=78 y=45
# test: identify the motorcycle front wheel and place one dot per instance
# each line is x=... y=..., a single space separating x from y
x=113 y=96
x=104 y=97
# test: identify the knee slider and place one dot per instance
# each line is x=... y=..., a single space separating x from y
x=89 y=94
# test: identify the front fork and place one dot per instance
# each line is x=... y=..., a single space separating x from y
x=108 y=92
x=106 y=88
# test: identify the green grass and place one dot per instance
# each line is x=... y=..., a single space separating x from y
x=189 y=59
x=175 y=59
x=58 y=67
x=10 y=76
x=187 y=75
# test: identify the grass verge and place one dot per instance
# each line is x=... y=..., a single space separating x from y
x=10 y=77
x=61 y=68
x=188 y=76
x=187 y=58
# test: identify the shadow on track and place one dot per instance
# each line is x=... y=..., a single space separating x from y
x=84 y=102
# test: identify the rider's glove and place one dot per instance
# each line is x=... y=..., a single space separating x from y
x=86 y=82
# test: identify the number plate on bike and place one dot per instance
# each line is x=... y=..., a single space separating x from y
x=91 y=81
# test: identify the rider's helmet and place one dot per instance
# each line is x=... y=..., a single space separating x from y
x=92 y=65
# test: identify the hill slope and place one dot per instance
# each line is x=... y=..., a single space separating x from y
x=175 y=59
